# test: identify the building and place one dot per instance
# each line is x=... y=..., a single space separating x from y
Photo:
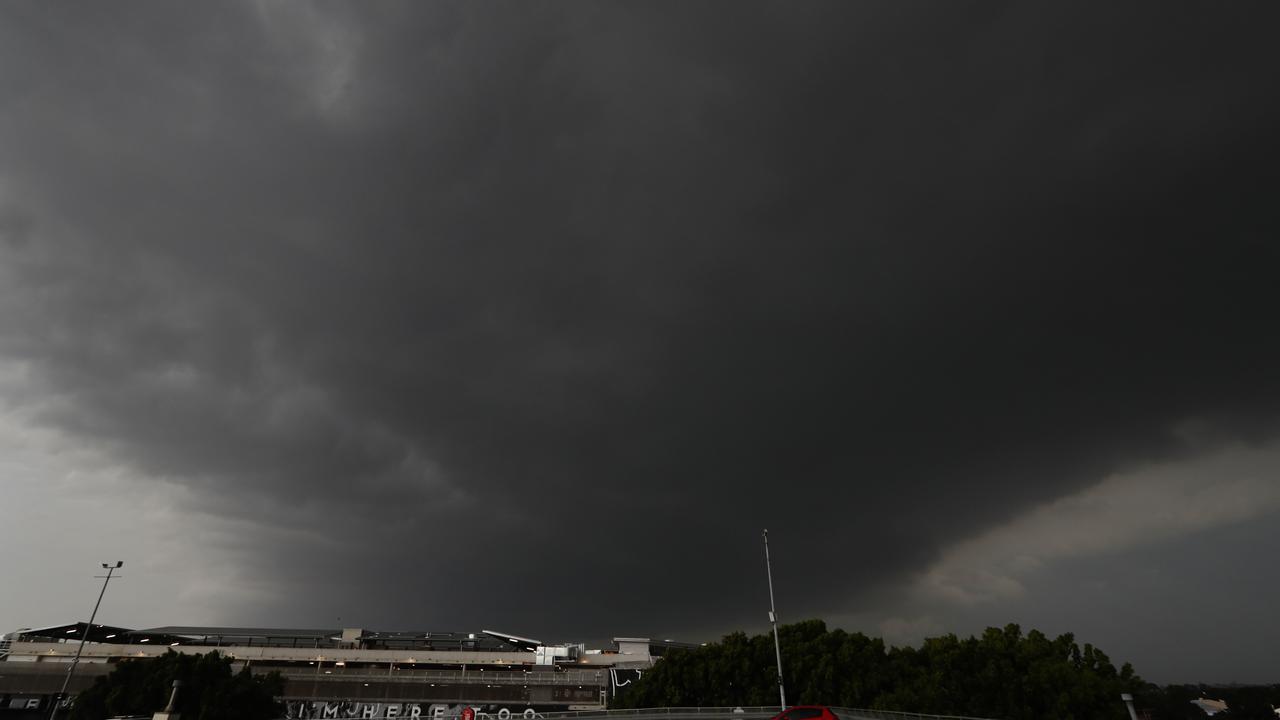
x=347 y=672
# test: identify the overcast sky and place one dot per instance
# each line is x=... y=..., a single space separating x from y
x=531 y=316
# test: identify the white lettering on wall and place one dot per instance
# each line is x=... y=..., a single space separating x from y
x=307 y=710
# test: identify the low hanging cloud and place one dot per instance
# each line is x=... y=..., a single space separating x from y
x=1143 y=507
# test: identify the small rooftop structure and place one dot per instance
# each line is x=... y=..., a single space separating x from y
x=1210 y=707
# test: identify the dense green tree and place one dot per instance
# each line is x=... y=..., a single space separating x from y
x=1001 y=674
x=1005 y=674
x=210 y=690
x=740 y=670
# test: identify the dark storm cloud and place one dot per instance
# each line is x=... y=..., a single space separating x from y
x=566 y=297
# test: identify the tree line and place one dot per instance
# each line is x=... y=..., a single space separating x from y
x=1003 y=673
x=210 y=690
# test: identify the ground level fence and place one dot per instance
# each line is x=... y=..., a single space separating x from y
x=736 y=713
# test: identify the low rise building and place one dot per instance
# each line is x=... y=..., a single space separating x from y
x=346 y=672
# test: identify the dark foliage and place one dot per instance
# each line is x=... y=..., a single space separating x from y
x=1002 y=674
x=210 y=690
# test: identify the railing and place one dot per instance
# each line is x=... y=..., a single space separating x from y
x=445 y=677
x=895 y=715
x=738 y=713
x=669 y=713
x=4 y=648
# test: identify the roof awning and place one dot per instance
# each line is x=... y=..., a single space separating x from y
x=74 y=631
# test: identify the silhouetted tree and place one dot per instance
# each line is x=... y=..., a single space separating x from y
x=210 y=690
x=1002 y=674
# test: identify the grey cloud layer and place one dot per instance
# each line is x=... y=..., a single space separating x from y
x=545 y=297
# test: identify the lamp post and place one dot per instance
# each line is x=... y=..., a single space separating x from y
x=1128 y=702
x=773 y=620
x=71 y=671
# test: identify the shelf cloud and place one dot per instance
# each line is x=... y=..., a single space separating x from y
x=471 y=314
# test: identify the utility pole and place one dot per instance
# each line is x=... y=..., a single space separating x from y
x=71 y=671
x=773 y=620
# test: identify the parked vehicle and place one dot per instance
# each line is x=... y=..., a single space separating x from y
x=807 y=712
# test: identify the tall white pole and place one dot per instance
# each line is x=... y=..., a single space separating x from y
x=83 y=637
x=773 y=620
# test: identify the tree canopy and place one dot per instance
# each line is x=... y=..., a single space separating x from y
x=210 y=690
x=1001 y=674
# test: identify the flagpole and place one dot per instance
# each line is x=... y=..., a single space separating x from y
x=773 y=620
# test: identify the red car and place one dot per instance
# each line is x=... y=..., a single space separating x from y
x=807 y=712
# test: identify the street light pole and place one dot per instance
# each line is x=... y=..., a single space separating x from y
x=71 y=671
x=773 y=620
x=1128 y=703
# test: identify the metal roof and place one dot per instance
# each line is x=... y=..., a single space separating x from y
x=516 y=640
x=75 y=630
x=201 y=631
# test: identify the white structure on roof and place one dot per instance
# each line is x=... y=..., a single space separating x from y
x=1210 y=707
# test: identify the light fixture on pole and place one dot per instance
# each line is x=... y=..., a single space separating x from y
x=71 y=671
x=773 y=620
x=1128 y=703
